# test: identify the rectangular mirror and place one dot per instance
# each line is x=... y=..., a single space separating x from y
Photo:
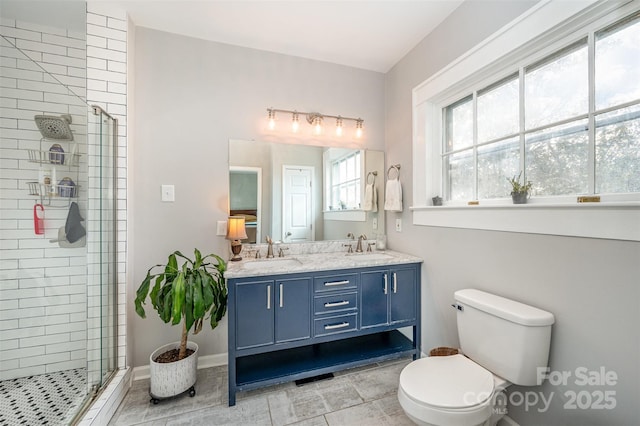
x=281 y=189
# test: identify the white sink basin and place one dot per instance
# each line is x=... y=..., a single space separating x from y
x=272 y=263
x=370 y=256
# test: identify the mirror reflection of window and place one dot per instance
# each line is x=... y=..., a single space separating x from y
x=345 y=182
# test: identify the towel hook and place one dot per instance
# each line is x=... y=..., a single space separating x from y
x=374 y=174
x=397 y=169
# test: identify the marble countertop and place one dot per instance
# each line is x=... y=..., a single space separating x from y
x=307 y=262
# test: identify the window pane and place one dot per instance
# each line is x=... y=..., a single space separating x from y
x=618 y=151
x=459 y=168
x=498 y=111
x=459 y=133
x=557 y=90
x=618 y=66
x=557 y=159
x=497 y=162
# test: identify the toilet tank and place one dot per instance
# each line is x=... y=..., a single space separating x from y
x=506 y=337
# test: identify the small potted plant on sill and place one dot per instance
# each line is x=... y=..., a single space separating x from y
x=185 y=295
x=519 y=192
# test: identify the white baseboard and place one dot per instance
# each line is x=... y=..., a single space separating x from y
x=205 y=361
x=507 y=421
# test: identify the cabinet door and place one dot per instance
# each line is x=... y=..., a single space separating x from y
x=374 y=286
x=293 y=309
x=254 y=314
x=402 y=294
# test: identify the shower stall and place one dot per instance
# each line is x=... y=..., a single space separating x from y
x=58 y=220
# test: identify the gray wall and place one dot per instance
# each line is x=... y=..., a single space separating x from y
x=592 y=286
x=192 y=96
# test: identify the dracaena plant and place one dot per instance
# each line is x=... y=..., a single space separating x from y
x=187 y=294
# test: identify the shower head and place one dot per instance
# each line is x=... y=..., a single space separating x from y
x=53 y=127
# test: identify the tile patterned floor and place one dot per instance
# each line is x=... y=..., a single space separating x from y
x=48 y=399
x=362 y=396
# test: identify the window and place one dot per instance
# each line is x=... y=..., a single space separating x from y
x=492 y=83
x=569 y=120
x=345 y=182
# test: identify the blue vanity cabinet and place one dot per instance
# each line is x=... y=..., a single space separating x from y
x=294 y=326
x=374 y=294
x=292 y=309
x=253 y=313
x=388 y=296
x=271 y=311
x=403 y=294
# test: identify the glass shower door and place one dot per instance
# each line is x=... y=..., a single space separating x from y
x=102 y=247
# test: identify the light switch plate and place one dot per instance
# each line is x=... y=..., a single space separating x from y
x=221 y=228
x=374 y=223
x=398 y=225
x=168 y=193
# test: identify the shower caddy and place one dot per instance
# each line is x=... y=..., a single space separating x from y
x=58 y=157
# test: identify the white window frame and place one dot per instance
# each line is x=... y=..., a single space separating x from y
x=542 y=30
x=342 y=181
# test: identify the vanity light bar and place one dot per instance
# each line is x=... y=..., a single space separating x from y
x=316 y=120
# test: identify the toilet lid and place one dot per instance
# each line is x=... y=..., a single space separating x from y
x=447 y=381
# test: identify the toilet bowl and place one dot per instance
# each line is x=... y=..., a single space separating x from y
x=450 y=391
x=504 y=342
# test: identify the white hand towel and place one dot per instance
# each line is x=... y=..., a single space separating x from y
x=374 y=205
x=368 y=197
x=393 y=196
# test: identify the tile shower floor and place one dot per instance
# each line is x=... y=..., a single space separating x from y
x=361 y=396
x=47 y=399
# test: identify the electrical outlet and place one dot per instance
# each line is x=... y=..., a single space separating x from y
x=374 y=223
x=221 y=228
x=398 y=225
x=168 y=193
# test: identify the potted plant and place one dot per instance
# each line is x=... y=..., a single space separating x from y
x=186 y=295
x=519 y=192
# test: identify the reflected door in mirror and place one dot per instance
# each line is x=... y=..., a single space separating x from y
x=297 y=208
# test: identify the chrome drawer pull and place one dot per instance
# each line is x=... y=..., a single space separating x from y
x=281 y=296
x=334 y=326
x=334 y=304
x=337 y=283
x=395 y=283
x=385 y=284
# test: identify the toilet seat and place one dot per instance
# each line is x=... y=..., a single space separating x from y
x=450 y=382
x=450 y=390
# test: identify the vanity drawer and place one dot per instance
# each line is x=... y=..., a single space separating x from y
x=339 y=302
x=335 y=325
x=336 y=282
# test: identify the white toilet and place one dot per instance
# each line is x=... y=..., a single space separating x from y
x=503 y=342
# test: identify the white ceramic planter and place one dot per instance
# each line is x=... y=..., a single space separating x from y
x=171 y=379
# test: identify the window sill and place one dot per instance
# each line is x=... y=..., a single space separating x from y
x=616 y=221
x=353 y=215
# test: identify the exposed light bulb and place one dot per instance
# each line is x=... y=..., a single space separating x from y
x=272 y=119
x=317 y=127
x=359 y=129
x=339 y=127
x=295 y=124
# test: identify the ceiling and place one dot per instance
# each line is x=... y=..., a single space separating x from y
x=367 y=34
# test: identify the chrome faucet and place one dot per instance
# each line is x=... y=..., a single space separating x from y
x=281 y=251
x=270 y=248
x=359 y=246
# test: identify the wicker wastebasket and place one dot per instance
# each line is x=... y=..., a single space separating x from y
x=443 y=351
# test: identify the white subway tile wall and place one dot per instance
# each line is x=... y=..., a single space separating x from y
x=43 y=287
x=50 y=296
